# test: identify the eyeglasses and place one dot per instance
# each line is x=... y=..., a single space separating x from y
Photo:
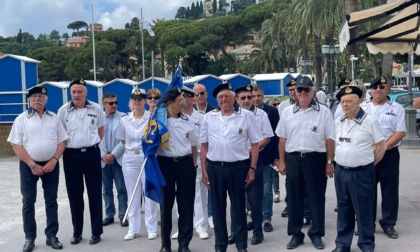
x=243 y=98
x=200 y=93
x=380 y=86
x=112 y=103
x=275 y=104
x=300 y=90
x=153 y=97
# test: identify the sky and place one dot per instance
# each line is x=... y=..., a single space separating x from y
x=43 y=16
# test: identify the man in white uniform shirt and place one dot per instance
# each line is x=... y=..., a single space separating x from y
x=84 y=122
x=359 y=146
x=38 y=139
x=112 y=151
x=255 y=193
x=390 y=116
x=224 y=136
x=306 y=149
x=178 y=164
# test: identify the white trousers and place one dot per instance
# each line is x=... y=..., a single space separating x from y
x=201 y=221
x=131 y=167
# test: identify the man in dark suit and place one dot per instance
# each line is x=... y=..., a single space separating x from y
x=200 y=99
x=267 y=156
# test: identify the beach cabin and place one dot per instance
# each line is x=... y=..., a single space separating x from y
x=57 y=94
x=273 y=84
x=208 y=80
x=237 y=80
x=122 y=88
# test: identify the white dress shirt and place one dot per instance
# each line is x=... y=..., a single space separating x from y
x=227 y=136
x=355 y=139
x=183 y=137
x=39 y=136
x=306 y=130
x=82 y=124
x=131 y=130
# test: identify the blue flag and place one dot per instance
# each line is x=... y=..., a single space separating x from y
x=156 y=136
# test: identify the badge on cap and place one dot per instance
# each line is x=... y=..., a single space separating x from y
x=301 y=81
x=230 y=86
x=347 y=81
x=137 y=92
x=248 y=87
x=383 y=80
x=82 y=82
x=293 y=82
x=348 y=90
x=43 y=90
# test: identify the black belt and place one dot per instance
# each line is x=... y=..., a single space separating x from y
x=362 y=167
x=84 y=149
x=304 y=154
x=222 y=163
x=177 y=159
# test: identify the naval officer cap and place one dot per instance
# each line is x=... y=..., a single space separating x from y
x=291 y=82
x=349 y=90
x=171 y=94
x=222 y=87
x=246 y=88
x=78 y=82
x=378 y=81
x=304 y=82
x=188 y=92
x=138 y=93
x=344 y=82
x=37 y=90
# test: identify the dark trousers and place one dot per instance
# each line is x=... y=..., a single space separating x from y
x=255 y=196
x=228 y=178
x=87 y=165
x=355 y=189
x=28 y=188
x=180 y=183
x=306 y=172
x=276 y=182
x=388 y=175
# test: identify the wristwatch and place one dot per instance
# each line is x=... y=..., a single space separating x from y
x=329 y=162
x=32 y=166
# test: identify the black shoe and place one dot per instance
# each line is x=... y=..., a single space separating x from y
x=231 y=239
x=29 y=245
x=317 y=242
x=75 y=240
x=123 y=223
x=165 y=249
x=257 y=239
x=368 y=250
x=107 y=221
x=341 y=249
x=220 y=250
x=54 y=243
x=184 y=249
x=242 y=250
x=276 y=198
x=285 y=213
x=306 y=222
x=250 y=226
x=391 y=233
x=268 y=227
x=94 y=239
x=295 y=242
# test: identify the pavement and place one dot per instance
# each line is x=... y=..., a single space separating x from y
x=12 y=235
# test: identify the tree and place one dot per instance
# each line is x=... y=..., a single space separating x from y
x=135 y=24
x=181 y=13
x=77 y=25
x=214 y=6
x=65 y=36
x=19 y=37
x=54 y=35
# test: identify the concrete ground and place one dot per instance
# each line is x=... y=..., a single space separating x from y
x=12 y=236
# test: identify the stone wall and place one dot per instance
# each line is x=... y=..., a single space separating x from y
x=6 y=149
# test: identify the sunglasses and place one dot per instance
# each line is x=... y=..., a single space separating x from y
x=243 y=98
x=300 y=90
x=200 y=93
x=112 y=103
x=153 y=97
x=275 y=104
x=380 y=86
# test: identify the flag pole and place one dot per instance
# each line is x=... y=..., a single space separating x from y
x=153 y=70
x=142 y=43
x=93 y=44
x=134 y=192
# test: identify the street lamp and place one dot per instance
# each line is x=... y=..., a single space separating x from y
x=330 y=50
x=305 y=64
x=352 y=59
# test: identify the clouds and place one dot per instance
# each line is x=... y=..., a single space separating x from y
x=43 y=16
